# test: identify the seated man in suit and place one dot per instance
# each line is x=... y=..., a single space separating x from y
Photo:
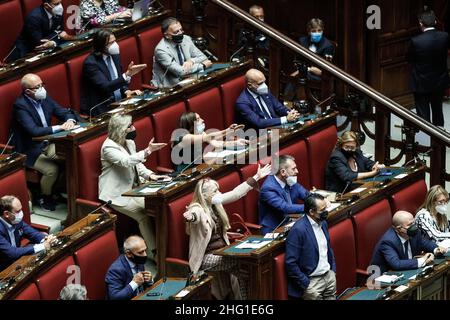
x=103 y=80
x=279 y=195
x=176 y=56
x=401 y=247
x=126 y=277
x=310 y=263
x=13 y=230
x=257 y=108
x=32 y=117
x=43 y=28
x=261 y=41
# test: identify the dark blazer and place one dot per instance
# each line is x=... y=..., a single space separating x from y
x=118 y=277
x=8 y=253
x=97 y=83
x=273 y=203
x=247 y=111
x=428 y=57
x=302 y=255
x=338 y=173
x=389 y=253
x=324 y=46
x=27 y=124
x=36 y=27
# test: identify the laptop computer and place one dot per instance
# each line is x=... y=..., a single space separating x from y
x=140 y=9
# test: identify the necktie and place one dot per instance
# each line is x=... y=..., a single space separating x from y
x=40 y=112
x=180 y=55
x=288 y=193
x=264 y=111
x=406 y=249
x=139 y=289
x=117 y=94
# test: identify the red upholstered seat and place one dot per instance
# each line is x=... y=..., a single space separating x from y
x=11 y=24
x=280 y=286
x=165 y=122
x=299 y=152
x=53 y=280
x=409 y=198
x=370 y=224
x=320 y=146
x=89 y=167
x=75 y=70
x=177 y=239
x=128 y=53
x=208 y=105
x=29 y=293
x=228 y=183
x=147 y=42
x=342 y=240
x=16 y=184
x=94 y=259
x=9 y=92
x=230 y=91
x=28 y=5
x=144 y=130
x=56 y=83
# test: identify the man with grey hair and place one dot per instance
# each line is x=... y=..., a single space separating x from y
x=176 y=56
x=32 y=117
x=13 y=229
x=73 y=292
x=126 y=277
x=279 y=195
x=401 y=247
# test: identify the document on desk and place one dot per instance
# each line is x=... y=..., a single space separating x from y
x=152 y=188
x=445 y=243
x=253 y=244
x=388 y=278
x=400 y=176
x=182 y=293
x=333 y=205
x=223 y=153
x=358 y=190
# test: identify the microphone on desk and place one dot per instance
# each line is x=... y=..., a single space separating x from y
x=281 y=234
x=7 y=144
x=210 y=55
x=178 y=175
x=7 y=56
x=83 y=27
x=100 y=207
x=237 y=52
x=345 y=189
x=98 y=105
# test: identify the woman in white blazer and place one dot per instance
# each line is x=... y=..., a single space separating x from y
x=122 y=170
x=207 y=225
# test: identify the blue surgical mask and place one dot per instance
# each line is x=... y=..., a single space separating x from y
x=200 y=127
x=316 y=36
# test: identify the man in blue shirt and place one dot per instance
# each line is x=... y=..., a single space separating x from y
x=126 y=278
x=13 y=230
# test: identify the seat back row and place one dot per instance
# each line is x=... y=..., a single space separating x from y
x=63 y=81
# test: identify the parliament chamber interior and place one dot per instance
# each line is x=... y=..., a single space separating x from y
x=224 y=149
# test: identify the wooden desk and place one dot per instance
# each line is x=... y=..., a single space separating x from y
x=160 y=291
x=27 y=269
x=10 y=163
x=71 y=49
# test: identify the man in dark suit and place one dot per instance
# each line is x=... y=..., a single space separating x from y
x=310 y=263
x=103 y=80
x=279 y=195
x=126 y=277
x=257 y=108
x=13 y=230
x=429 y=76
x=43 y=29
x=401 y=247
x=32 y=117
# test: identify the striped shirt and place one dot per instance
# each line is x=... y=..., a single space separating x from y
x=429 y=225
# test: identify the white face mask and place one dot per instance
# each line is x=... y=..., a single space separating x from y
x=442 y=209
x=262 y=89
x=18 y=217
x=114 y=49
x=40 y=94
x=200 y=127
x=58 y=10
x=291 y=180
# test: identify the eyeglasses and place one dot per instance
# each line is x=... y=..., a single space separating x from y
x=41 y=85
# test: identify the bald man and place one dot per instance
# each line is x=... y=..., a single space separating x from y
x=126 y=277
x=403 y=247
x=32 y=117
x=257 y=108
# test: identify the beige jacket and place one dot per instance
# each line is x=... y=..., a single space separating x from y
x=200 y=230
x=118 y=171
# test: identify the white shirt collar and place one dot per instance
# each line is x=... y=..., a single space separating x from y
x=49 y=15
x=428 y=29
x=281 y=183
x=8 y=225
x=254 y=95
x=132 y=264
x=403 y=240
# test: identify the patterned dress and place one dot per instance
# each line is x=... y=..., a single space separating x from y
x=96 y=15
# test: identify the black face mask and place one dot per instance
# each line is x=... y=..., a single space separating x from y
x=138 y=259
x=131 y=135
x=323 y=215
x=347 y=153
x=177 y=38
x=412 y=231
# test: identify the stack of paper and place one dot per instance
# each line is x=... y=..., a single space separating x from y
x=253 y=244
x=388 y=278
